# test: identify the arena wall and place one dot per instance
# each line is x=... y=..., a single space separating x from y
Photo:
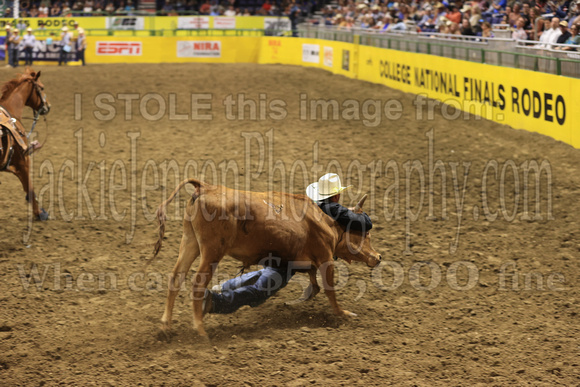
x=523 y=99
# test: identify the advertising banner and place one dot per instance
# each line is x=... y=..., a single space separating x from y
x=328 y=56
x=277 y=24
x=199 y=49
x=224 y=23
x=56 y=23
x=310 y=53
x=119 y=48
x=126 y=23
x=41 y=52
x=192 y=22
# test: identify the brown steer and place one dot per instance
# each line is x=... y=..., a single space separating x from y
x=250 y=226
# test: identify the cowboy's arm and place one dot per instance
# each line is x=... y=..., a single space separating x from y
x=354 y=221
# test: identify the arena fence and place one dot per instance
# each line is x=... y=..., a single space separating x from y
x=530 y=100
x=173 y=32
x=495 y=51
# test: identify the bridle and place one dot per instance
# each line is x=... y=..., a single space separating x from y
x=44 y=108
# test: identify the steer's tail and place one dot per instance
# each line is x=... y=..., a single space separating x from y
x=161 y=217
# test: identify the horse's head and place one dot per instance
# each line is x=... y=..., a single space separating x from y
x=37 y=100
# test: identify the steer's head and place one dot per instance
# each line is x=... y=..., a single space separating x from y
x=356 y=245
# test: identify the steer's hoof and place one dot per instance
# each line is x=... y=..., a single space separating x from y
x=349 y=314
x=43 y=215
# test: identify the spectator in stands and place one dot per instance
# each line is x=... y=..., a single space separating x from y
x=33 y=11
x=562 y=39
x=507 y=16
x=544 y=33
x=387 y=22
x=454 y=15
x=484 y=5
x=88 y=8
x=562 y=10
x=204 y=9
x=554 y=32
x=213 y=7
x=466 y=11
x=443 y=26
x=77 y=6
x=398 y=25
x=43 y=10
x=527 y=17
x=55 y=10
x=66 y=11
x=536 y=19
x=466 y=28
x=129 y=8
x=110 y=8
x=349 y=22
x=453 y=28
x=426 y=15
x=498 y=5
x=574 y=16
x=574 y=39
x=267 y=6
x=515 y=14
x=476 y=17
x=441 y=11
x=520 y=33
x=28 y=41
x=230 y=11
x=375 y=12
x=367 y=22
x=486 y=30
x=339 y=21
x=14 y=45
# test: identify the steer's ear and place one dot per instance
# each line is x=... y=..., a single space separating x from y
x=358 y=207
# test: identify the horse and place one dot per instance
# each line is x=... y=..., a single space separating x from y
x=15 y=148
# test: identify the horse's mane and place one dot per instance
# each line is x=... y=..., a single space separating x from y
x=9 y=86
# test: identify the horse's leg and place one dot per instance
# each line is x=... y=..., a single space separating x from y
x=21 y=168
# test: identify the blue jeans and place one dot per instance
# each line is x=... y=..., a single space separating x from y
x=81 y=56
x=15 y=57
x=28 y=56
x=251 y=289
x=63 y=57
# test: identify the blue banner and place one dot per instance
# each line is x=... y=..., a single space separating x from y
x=41 y=51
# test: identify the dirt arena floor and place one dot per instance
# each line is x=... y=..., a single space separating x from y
x=462 y=299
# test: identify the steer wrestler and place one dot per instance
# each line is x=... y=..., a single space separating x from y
x=255 y=288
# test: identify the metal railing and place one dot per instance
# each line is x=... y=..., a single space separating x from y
x=494 y=51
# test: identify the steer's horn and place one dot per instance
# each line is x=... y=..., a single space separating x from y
x=359 y=205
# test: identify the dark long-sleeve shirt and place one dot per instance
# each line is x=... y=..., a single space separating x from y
x=345 y=217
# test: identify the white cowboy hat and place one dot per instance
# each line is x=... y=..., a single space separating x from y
x=327 y=186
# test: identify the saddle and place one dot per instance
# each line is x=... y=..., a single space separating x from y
x=11 y=131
